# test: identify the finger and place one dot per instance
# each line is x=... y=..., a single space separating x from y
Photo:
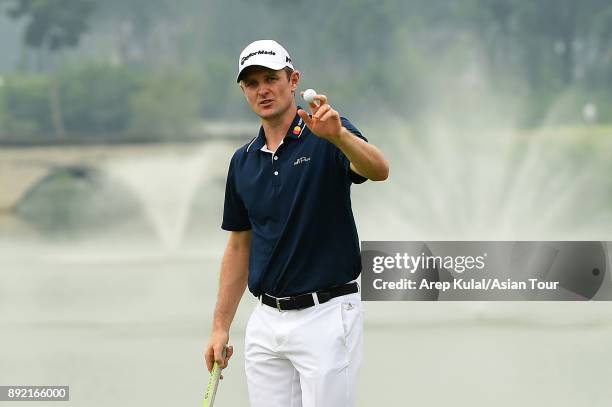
x=321 y=111
x=329 y=114
x=209 y=357
x=321 y=98
x=307 y=120
x=219 y=354
x=228 y=354
x=314 y=106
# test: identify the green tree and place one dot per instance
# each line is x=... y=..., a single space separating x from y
x=52 y=26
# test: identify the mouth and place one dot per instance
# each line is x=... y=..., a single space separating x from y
x=266 y=102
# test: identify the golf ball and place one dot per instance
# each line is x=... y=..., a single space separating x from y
x=309 y=95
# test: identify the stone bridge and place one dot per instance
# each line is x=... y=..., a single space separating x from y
x=22 y=167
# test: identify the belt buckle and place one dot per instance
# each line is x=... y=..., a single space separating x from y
x=278 y=307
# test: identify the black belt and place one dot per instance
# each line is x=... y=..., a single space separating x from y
x=307 y=300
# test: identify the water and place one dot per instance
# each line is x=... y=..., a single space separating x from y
x=129 y=329
x=492 y=184
x=166 y=185
x=123 y=318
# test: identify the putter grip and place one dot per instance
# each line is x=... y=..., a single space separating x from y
x=213 y=383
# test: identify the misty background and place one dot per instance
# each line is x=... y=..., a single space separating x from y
x=543 y=62
x=117 y=123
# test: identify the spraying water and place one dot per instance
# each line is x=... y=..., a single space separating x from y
x=166 y=185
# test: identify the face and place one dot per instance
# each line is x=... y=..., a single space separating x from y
x=269 y=92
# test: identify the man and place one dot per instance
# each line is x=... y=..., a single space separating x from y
x=293 y=238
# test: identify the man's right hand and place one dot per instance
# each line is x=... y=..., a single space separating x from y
x=232 y=283
x=214 y=350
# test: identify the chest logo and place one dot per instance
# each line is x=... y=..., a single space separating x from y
x=301 y=160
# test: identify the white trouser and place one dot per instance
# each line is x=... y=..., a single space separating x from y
x=305 y=358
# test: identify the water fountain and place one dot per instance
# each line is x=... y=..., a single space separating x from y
x=166 y=185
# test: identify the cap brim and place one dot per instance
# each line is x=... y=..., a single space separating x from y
x=270 y=65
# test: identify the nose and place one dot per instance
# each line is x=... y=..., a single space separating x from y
x=262 y=90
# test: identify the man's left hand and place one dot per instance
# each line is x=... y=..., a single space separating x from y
x=325 y=121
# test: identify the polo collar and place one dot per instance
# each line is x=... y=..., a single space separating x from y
x=295 y=131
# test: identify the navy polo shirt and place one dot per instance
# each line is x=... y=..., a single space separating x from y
x=297 y=203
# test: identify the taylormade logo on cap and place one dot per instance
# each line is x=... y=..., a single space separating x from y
x=268 y=53
x=256 y=53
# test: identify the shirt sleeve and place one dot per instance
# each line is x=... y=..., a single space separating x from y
x=235 y=214
x=343 y=160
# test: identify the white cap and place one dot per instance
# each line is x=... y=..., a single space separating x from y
x=268 y=53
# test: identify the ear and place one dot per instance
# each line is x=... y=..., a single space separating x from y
x=294 y=79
